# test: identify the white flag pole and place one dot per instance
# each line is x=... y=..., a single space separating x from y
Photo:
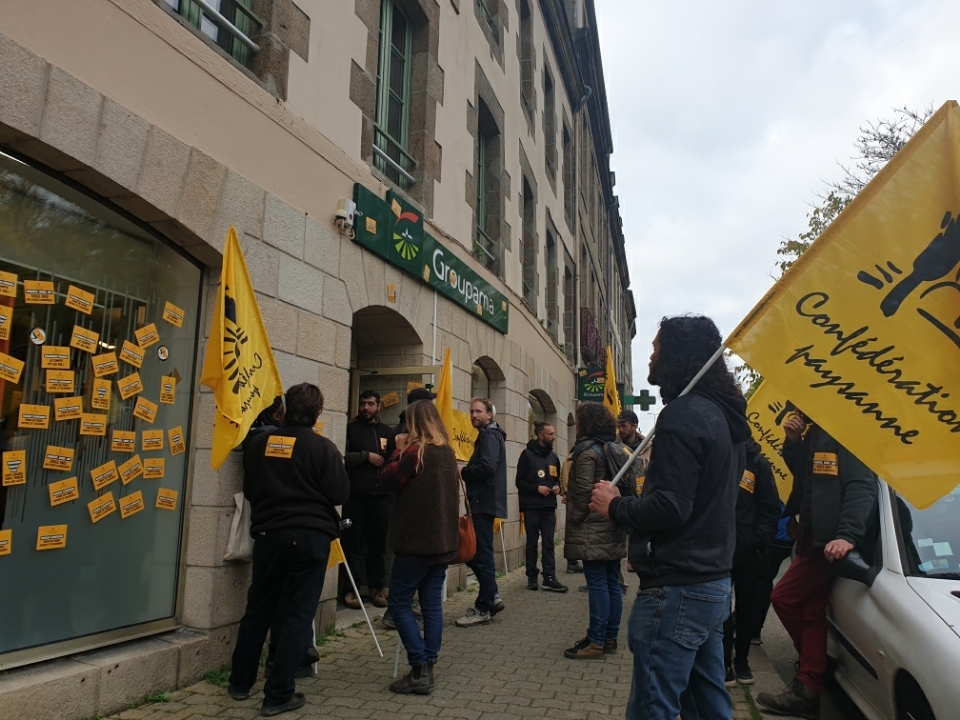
x=363 y=607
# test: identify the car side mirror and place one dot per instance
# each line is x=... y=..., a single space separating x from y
x=853 y=567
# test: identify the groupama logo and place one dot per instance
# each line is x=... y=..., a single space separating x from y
x=403 y=238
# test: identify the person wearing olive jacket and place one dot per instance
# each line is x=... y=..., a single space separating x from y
x=596 y=540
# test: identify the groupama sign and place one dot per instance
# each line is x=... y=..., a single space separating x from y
x=393 y=229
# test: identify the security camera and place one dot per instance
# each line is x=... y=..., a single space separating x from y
x=346 y=213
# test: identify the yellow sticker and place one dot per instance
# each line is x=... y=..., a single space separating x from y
x=391 y=398
x=6 y=542
x=10 y=368
x=55 y=357
x=63 y=491
x=173 y=315
x=93 y=424
x=123 y=441
x=383 y=444
x=101 y=507
x=154 y=468
x=426 y=273
x=413 y=385
x=60 y=381
x=748 y=482
x=67 y=408
x=8 y=284
x=318 y=427
x=395 y=206
x=391 y=293
x=39 y=292
x=131 y=470
x=167 y=499
x=152 y=440
x=105 y=364
x=131 y=504
x=147 y=335
x=83 y=339
x=51 y=537
x=6 y=321
x=58 y=458
x=14 y=467
x=371 y=225
x=131 y=354
x=104 y=475
x=280 y=446
x=38 y=336
x=129 y=385
x=825 y=463
x=177 y=443
x=145 y=410
x=34 y=416
x=553 y=470
x=79 y=299
x=100 y=394
x=168 y=389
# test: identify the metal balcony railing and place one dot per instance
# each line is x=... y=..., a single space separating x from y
x=392 y=160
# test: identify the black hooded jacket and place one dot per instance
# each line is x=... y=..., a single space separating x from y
x=684 y=525
x=537 y=467
x=758 y=507
x=486 y=474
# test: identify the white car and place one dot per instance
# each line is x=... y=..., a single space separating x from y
x=894 y=617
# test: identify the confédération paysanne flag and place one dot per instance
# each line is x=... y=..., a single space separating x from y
x=767 y=410
x=863 y=332
x=238 y=365
x=611 y=398
x=461 y=430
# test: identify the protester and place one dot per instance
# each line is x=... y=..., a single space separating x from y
x=538 y=484
x=779 y=549
x=594 y=539
x=758 y=509
x=683 y=529
x=486 y=479
x=294 y=479
x=424 y=537
x=627 y=424
x=834 y=495
x=369 y=443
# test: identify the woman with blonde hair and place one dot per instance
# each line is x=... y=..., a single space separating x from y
x=424 y=536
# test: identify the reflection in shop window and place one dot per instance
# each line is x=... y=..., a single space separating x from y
x=536 y=412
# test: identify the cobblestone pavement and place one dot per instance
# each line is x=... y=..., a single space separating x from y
x=513 y=667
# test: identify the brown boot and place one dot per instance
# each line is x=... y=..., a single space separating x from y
x=610 y=646
x=419 y=681
x=584 y=650
x=797 y=700
x=378 y=598
x=352 y=601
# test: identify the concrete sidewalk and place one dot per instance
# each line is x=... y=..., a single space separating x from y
x=513 y=667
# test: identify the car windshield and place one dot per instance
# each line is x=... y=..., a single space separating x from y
x=931 y=537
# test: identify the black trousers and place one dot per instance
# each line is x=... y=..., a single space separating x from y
x=746 y=578
x=776 y=554
x=289 y=564
x=371 y=516
x=541 y=523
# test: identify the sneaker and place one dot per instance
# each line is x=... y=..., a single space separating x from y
x=296 y=701
x=474 y=617
x=378 y=598
x=498 y=605
x=743 y=673
x=584 y=650
x=609 y=647
x=552 y=584
x=352 y=601
x=533 y=585
x=419 y=681
x=574 y=566
x=731 y=679
x=798 y=700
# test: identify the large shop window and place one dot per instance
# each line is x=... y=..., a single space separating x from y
x=98 y=342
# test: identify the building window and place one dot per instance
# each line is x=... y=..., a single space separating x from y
x=527 y=61
x=528 y=247
x=553 y=311
x=237 y=15
x=95 y=280
x=569 y=175
x=392 y=129
x=569 y=307
x=536 y=412
x=487 y=246
x=549 y=128
x=488 y=14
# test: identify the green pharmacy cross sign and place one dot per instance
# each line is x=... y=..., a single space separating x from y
x=644 y=400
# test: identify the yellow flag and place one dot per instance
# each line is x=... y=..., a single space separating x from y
x=767 y=410
x=461 y=430
x=239 y=365
x=611 y=398
x=863 y=332
x=336 y=554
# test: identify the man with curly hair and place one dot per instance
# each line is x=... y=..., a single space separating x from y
x=684 y=529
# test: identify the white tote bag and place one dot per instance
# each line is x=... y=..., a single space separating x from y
x=240 y=544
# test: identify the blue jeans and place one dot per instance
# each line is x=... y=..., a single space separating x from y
x=676 y=637
x=606 y=599
x=410 y=574
x=483 y=564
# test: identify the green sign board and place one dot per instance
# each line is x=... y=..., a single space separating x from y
x=393 y=229
x=591 y=382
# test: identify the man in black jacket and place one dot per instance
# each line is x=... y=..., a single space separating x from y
x=486 y=479
x=684 y=529
x=294 y=479
x=758 y=509
x=833 y=497
x=369 y=443
x=538 y=484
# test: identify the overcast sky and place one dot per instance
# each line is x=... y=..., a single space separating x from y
x=729 y=116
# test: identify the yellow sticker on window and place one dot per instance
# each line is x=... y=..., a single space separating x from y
x=67 y=408
x=34 y=416
x=131 y=470
x=124 y=441
x=105 y=364
x=748 y=482
x=58 y=458
x=8 y=284
x=131 y=354
x=6 y=321
x=173 y=315
x=101 y=507
x=825 y=463
x=63 y=491
x=14 y=467
x=145 y=410
x=39 y=292
x=93 y=424
x=104 y=475
x=168 y=389
x=60 y=381
x=100 y=394
x=131 y=504
x=152 y=440
x=10 y=368
x=153 y=468
x=51 y=537
x=79 y=299
x=167 y=499
x=280 y=446
x=177 y=443
x=6 y=542
x=83 y=339
x=55 y=357
x=147 y=336
x=389 y=399
x=129 y=385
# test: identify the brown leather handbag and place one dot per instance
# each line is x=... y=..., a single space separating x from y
x=468 y=536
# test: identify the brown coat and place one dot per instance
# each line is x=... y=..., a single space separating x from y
x=424 y=518
x=590 y=536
